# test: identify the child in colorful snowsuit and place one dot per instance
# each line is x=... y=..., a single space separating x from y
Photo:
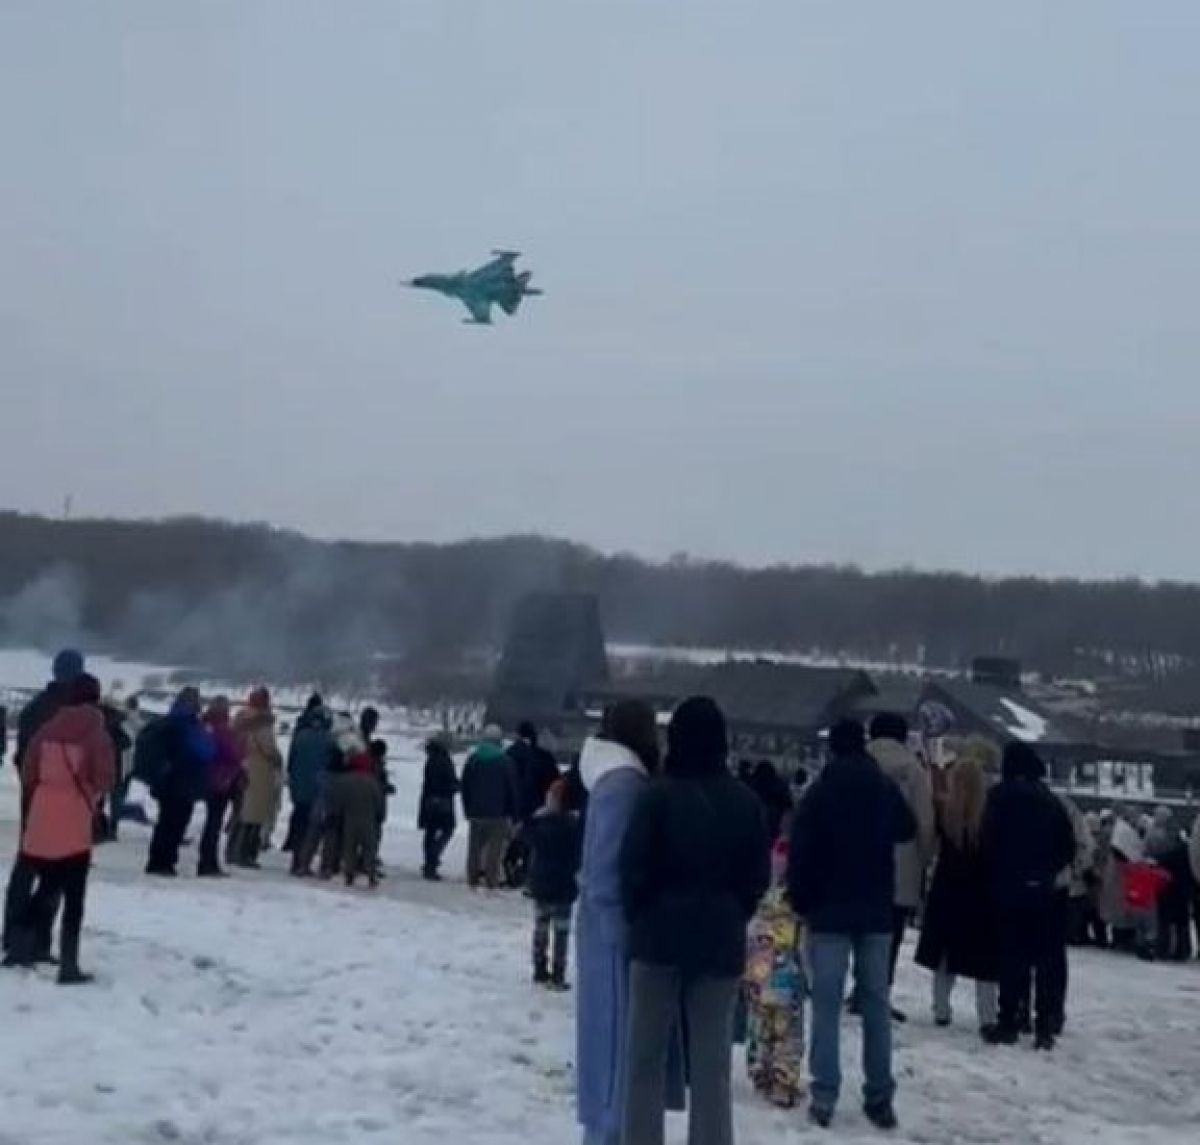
x=775 y=988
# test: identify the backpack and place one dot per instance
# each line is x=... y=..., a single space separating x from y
x=151 y=761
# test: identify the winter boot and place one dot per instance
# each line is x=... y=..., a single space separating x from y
x=541 y=975
x=1000 y=1035
x=250 y=846
x=73 y=976
x=233 y=844
x=1024 y=1022
x=20 y=947
x=882 y=1115
x=69 y=973
x=821 y=1117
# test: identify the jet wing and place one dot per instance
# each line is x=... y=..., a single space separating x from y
x=509 y=299
x=481 y=310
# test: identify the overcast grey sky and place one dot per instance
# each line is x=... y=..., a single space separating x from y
x=882 y=282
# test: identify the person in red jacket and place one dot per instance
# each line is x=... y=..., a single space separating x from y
x=68 y=769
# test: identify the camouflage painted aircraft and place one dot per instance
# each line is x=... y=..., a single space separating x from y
x=494 y=284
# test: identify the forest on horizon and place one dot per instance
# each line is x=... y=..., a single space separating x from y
x=255 y=598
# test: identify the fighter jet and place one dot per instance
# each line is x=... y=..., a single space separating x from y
x=496 y=283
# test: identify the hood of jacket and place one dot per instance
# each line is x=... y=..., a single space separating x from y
x=601 y=757
x=490 y=753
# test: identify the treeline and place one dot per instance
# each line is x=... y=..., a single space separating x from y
x=253 y=598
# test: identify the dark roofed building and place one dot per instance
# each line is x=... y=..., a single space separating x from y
x=767 y=696
x=775 y=711
x=553 y=653
x=896 y=693
x=1005 y=714
x=1088 y=759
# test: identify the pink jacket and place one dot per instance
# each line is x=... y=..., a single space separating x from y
x=69 y=766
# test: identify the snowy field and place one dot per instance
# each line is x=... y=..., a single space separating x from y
x=263 y=1012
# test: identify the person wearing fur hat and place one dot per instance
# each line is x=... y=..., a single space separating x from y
x=262 y=762
x=491 y=805
x=695 y=864
x=1026 y=841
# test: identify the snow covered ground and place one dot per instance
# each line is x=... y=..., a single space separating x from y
x=262 y=1012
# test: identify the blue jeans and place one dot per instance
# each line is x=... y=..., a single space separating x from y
x=591 y=1137
x=829 y=959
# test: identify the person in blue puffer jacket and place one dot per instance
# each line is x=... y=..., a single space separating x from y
x=186 y=750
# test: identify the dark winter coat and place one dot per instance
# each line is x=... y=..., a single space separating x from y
x=114 y=725
x=842 y=859
x=438 y=789
x=188 y=753
x=575 y=794
x=312 y=754
x=1179 y=892
x=958 y=931
x=694 y=865
x=773 y=793
x=489 y=788
x=555 y=849
x=535 y=770
x=1026 y=839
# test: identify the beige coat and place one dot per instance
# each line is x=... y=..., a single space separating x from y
x=912 y=858
x=1074 y=878
x=263 y=764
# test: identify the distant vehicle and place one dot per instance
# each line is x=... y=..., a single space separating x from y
x=496 y=283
